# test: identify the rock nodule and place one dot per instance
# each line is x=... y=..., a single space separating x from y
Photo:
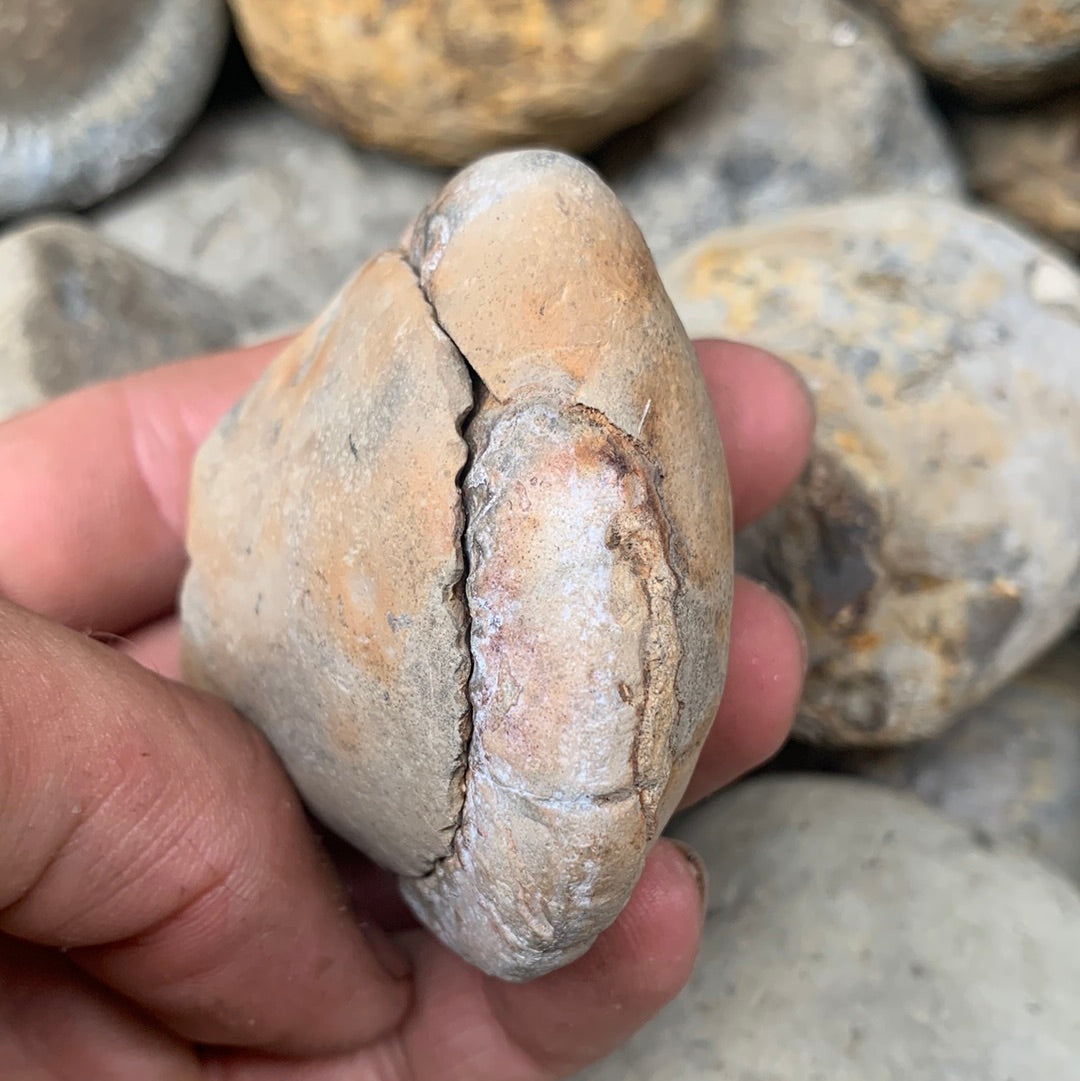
x=463 y=554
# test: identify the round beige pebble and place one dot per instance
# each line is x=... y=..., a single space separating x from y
x=448 y=80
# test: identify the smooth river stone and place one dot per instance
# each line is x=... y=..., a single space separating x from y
x=1027 y=162
x=1009 y=768
x=932 y=547
x=448 y=80
x=95 y=92
x=464 y=555
x=75 y=309
x=992 y=50
x=854 y=934
x=809 y=103
x=269 y=211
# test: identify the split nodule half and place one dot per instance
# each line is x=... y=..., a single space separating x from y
x=464 y=555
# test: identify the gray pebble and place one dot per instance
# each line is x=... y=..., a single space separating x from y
x=854 y=934
x=95 y=92
x=269 y=211
x=1009 y=768
x=810 y=103
x=75 y=309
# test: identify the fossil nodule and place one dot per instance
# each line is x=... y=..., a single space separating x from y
x=464 y=555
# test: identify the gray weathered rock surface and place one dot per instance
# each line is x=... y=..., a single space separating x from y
x=75 y=309
x=933 y=546
x=854 y=934
x=270 y=211
x=1028 y=163
x=810 y=103
x=994 y=50
x=1009 y=768
x=349 y=575
x=95 y=92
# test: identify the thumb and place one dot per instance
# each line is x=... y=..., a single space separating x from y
x=149 y=831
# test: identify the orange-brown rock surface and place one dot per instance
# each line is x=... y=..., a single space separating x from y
x=448 y=80
x=464 y=555
x=1027 y=162
x=991 y=50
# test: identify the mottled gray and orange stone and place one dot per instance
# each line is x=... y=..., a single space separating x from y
x=464 y=555
x=932 y=545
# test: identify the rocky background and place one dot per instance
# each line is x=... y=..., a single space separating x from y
x=885 y=192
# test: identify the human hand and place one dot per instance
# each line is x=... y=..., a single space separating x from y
x=166 y=909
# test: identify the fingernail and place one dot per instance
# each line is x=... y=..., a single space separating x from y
x=796 y=623
x=386 y=953
x=800 y=381
x=800 y=630
x=697 y=867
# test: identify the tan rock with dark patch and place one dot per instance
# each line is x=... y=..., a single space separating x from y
x=932 y=547
x=351 y=569
x=447 y=80
x=991 y=50
x=1027 y=162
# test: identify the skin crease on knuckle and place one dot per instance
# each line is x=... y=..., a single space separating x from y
x=29 y=661
x=120 y=782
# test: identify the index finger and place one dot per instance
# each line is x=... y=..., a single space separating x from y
x=93 y=490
